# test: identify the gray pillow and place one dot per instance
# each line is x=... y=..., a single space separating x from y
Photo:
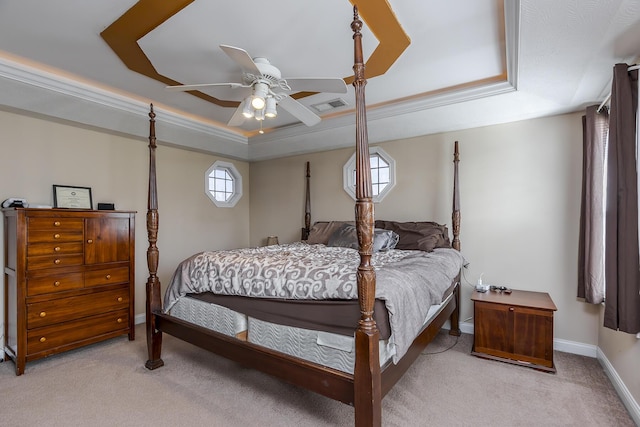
x=322 y=230
x=346 y=236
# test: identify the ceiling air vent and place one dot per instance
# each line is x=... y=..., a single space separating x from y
x=329 y=105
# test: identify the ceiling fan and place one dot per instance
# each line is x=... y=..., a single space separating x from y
x=266 y=89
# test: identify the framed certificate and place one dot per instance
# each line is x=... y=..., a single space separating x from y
x=66 y=196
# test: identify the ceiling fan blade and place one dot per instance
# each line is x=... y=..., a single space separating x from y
x=238 y=118
x=309 y=84
x=242 y=58
x=184 y=88
x=299 y=111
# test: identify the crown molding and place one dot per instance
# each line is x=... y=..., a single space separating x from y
x=59 y=87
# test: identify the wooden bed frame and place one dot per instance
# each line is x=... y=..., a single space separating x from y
x=365 y=388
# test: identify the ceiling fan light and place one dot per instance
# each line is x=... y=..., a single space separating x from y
x=257 y=103
x=271 y=111
x=259 y=115
x=260 y=92
x=247 y=110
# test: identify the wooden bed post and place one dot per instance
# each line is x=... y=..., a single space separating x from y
x=367 y=381
x=154 y=302
x=307 y=207
x=455 y=220
x=455 y=216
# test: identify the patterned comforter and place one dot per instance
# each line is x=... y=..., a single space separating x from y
x=408 y=281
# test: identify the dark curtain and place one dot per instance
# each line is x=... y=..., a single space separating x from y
x=622 y=268
x=591 y=247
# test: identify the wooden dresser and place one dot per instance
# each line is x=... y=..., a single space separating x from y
x=514 y=327
x=69 y=280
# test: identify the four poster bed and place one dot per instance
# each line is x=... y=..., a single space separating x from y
x=291 y=310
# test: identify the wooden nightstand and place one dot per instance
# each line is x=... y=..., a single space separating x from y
x=514 y=328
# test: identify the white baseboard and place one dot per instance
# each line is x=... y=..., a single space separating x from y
x=590 y=351
x=625 y=395
x=140 y=318
x=466 y=328
x=574 y=347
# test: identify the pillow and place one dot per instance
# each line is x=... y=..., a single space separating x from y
x=424 y=236
x=346 y=236
x=322 y=230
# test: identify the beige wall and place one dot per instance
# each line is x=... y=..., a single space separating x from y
x=38 y=153
x=520 y=189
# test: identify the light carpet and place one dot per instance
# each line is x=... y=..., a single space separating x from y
x=106 y=384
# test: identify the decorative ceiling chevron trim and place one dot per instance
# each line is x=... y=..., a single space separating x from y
x=493 y=86
x=18 y=72
x=123 y=35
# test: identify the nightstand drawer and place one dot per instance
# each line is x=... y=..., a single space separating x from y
x=107 y=276
x=51 y=337
x=66 y=309
x=54 y=283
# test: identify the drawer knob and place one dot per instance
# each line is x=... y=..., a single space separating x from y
x=56 y=236
x=119 y=320
x=43 y=339
x=57 y=223
x=89 y=241
x=56 y=249
x=511 y=309
x=56 y=283
x=43 y=313
x=119 y=299
x=57 y=261
x=108 y=276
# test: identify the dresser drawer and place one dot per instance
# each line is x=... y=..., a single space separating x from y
x=71 y=308
x=54 y=283
x=51 y=337
x=39 y=236
x=54 y=248
x=55 y=223
x=106 y=276
x=38 y=262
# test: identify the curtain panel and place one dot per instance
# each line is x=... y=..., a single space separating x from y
x=622 y=267
x=595 y=128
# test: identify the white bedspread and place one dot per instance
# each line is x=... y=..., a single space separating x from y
x=408 y=281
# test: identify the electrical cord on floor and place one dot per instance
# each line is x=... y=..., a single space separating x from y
x=426 y=353
x=464 y=278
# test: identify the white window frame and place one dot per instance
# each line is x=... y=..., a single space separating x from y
x=348 y=174
x=237 y=184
